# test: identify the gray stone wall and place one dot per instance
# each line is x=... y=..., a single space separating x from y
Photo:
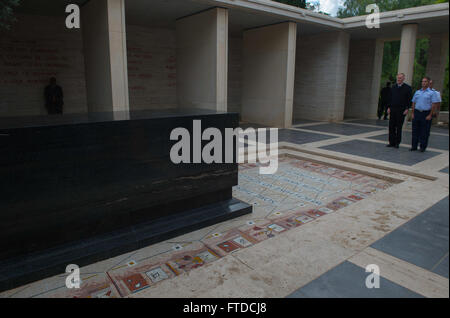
x=35 y=49
x=152 y=72
x=321 y=76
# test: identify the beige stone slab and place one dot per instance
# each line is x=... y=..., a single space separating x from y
x=441 y=161
x=360 y=224
x=310 y=124
x=403 y=273
x=296 y=151
x=399 y=203
x=227 y=277
x=305 y=129
x=293 y=259
x=348 y=233
x=342 y=159
x=273 y=268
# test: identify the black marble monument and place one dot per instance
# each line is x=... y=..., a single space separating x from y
x=76 y=189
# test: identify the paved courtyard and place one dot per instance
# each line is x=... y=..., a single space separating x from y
x=340 y=201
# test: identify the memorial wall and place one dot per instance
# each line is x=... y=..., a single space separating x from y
x=152 y=73
x=29 y=59
x=35 y=49
x=321 y=76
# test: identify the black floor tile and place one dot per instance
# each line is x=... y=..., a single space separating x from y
x=343 y=129
x=300 y=137
x=423 y=241
x=379 y=151
x=435 y=141
x=348 y=280
x=375 y=122
x=303 y=121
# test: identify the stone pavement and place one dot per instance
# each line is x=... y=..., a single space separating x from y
x=340 y=201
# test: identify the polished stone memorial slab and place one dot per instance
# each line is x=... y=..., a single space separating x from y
x=77 y=189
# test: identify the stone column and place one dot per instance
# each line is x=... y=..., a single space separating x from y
x=437 y=62
x=202 y=60
x=269 y=73
x=408 y=52
x=104 y=38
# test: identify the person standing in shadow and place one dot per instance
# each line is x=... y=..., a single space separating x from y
x=398 y=109
x=54 y=98
x=385 y=96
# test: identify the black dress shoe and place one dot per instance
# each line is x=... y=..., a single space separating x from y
x=413 y=149
x=397 y=146
x=422 y=150
x=390 y=146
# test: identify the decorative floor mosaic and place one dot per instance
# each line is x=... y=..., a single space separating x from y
x=298 y=193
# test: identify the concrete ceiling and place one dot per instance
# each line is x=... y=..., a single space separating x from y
x=393 y=30
x=164 y=13
x=160 y=13
x=47 y=7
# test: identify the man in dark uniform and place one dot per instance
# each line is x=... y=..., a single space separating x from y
x=385 y=99
x=398 y=109
x=54 y=98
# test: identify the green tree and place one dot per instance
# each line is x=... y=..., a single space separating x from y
x=392 y=49
x=353 y=8
x=295 y=3
x=7 y=12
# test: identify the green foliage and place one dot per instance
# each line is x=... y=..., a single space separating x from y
x=353 y=8
x=392 y=49
x=420 y=63
x=295 y=3
x=7 y=12
x=312 y=5
x=390 y=61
